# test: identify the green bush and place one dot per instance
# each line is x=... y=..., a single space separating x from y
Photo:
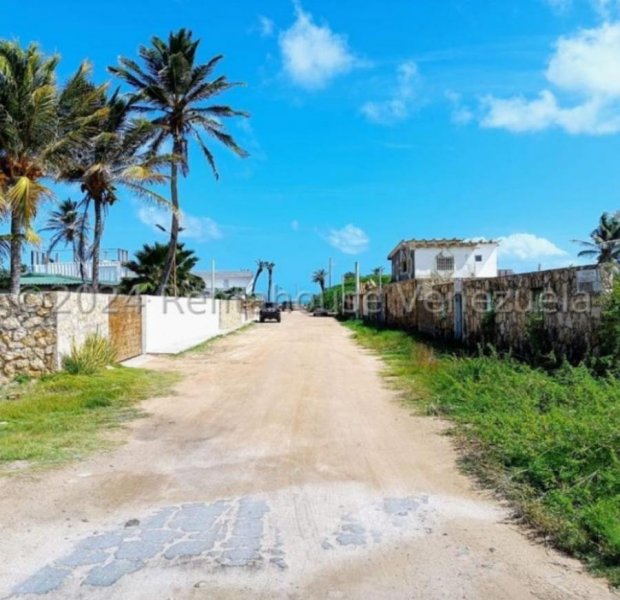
x=610 y=333
x=94 y=354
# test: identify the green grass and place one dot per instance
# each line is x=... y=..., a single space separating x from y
x=62 y=416
x=549 y=442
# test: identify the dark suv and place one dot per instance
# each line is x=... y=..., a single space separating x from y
x=270 y=311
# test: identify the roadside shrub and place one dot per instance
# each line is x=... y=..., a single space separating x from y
x=94 y=354
x=488 y=327
x=609 y=333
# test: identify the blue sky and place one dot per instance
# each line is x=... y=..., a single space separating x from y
x=373 y=122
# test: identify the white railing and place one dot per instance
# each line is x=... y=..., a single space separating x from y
x=109 y=271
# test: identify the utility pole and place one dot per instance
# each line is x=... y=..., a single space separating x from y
x=329 y=281
x=357 y=290
x=329 y=271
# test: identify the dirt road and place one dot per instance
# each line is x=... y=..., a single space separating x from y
x=283 y=468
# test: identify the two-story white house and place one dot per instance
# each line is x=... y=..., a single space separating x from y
x=226 y=280
x=443 y=259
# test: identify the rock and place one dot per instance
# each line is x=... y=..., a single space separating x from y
x=132 y=523
x=10 y=324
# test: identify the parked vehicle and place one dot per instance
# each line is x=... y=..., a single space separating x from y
x=319 y=311
x=270 y=311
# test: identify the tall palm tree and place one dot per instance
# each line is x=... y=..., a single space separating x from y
x=115 y=158
x=172 y=86
x=69 y=226
x=260 y=267
x=319 y=277
x=149 y=265
x=605 y=244
x=270 y=266
x=40 y=126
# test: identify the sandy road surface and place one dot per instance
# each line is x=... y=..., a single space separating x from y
x=282 y=468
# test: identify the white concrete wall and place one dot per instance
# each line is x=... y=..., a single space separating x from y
x=172 y=325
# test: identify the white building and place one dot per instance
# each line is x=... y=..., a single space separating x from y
x=226 y=280
x=443 y=259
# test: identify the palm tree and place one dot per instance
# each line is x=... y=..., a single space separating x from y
x=149 y=265
x=605 y=244
x=116 y=157
x=40 y=127
x=319 y=277
x=260 y=267
x=172 y=86
x=69 y=227
x=270 y=267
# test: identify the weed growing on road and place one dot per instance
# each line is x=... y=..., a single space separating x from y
x=60 y=417
x=550 y=442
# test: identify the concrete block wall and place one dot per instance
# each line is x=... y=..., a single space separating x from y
x=171 y=325
x=232 y=315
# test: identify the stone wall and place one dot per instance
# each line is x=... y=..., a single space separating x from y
x=435 y=310
x=562 y=307
x=38 y=330
x=400 y=305
x=27 y=335
x=507 y=310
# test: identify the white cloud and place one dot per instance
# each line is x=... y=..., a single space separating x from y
x=526 y=246
x=313 y=54
x=349 y=239
x=266 y=26
x=586 y=64
x=398 y=107
x=461 y=114
x=295 y=225
x=199 y=229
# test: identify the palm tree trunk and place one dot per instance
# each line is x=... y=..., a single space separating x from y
x=16 y=251
x=174 y=225
x=269 y=289
x=81 y=244
x=255 y=282
x=98 y=231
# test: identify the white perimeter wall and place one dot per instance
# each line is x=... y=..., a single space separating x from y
x=172 y=325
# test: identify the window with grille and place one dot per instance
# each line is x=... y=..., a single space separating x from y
x=445 y=263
